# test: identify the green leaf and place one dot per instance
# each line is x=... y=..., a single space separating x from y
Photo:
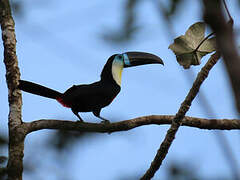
x=185 y=46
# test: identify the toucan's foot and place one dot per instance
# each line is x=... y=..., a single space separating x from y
x=79 y=118
x=80 y=121
x=105 y=121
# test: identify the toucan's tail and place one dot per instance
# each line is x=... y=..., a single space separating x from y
x=39 y=90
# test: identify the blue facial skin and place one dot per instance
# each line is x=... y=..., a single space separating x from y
x=126 y=59
x=122 y=58
x=119 y=57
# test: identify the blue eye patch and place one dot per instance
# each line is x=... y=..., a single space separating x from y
x=126 y=60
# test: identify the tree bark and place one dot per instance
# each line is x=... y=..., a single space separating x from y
x=201 y=123
x=16 y=132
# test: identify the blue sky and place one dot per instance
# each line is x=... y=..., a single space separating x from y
x=59 y=44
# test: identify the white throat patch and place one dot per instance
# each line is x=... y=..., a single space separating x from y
x=117 y=68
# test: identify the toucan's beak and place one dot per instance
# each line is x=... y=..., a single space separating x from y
x=140 y=58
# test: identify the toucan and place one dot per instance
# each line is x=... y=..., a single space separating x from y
x=93 y=97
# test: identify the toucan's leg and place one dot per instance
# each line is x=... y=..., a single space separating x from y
x=76 y=113
x=97 y=114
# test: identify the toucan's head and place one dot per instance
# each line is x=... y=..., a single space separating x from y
x=115 y=64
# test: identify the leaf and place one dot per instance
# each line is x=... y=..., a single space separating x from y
x=186 y=48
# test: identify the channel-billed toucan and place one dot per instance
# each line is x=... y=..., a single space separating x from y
x=93 y=97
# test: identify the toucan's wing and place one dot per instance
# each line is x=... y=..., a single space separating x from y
x=90 y=97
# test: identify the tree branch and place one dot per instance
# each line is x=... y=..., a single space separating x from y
x=214 y=16
x=16 y=136
x=164 y=147
x=201 y=123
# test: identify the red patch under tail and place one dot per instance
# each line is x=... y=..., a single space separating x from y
x=64 y=104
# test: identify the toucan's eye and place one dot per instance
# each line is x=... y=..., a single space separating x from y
x=120 y=57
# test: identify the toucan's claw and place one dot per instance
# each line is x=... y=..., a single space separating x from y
x=105 y=122
x=80 y=121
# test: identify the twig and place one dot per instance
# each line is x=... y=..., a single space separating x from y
x=229 y=15
x=195 y=50
x=203 y=41
x=164 y=147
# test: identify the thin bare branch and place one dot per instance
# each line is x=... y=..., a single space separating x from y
x=229 y=15
x=164 y=147
x=199 y=45
x=201 y=123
